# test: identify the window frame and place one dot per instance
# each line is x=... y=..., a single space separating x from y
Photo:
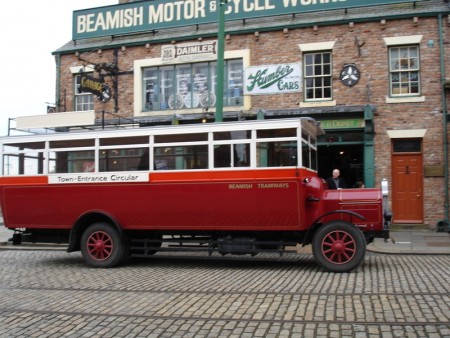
x=183 y=85
x=409 y=83
x=81 y=96
x=314 y=77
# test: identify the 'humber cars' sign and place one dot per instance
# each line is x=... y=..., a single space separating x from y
x=273 y=79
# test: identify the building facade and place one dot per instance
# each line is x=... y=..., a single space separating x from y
x=376 y=77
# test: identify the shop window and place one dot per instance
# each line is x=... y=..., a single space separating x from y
x=404 y=71
x=190 y=86
x=317 y=76
x=83 y=101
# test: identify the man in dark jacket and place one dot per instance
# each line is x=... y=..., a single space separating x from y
x=336 y=182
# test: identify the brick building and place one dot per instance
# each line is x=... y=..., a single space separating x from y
x=376 y=77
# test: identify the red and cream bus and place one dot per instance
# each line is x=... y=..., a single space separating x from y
x=229 y=188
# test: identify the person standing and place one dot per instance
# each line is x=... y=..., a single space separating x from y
x=335 y=181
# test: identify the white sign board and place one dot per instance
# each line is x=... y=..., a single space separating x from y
x=98 y=178
x=273 y=79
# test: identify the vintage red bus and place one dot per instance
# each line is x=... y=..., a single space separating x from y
x=233 y=188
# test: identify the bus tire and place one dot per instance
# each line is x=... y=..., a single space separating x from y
x=101 y=246
x=339 y=246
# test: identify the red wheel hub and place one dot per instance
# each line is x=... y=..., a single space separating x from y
x=99 y=245
x=338 y=247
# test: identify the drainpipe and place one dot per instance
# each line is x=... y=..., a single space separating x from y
x=58 y=83
x=444 y=113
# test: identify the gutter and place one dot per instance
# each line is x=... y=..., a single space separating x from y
x=444 y=113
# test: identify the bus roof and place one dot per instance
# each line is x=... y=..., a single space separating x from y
x=308 y=123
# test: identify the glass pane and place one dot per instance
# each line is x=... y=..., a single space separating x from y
x=31 y=163
x=72 y=143
x=181 y=138
x=75 y=161
x=181 y=157
x=318 y=70
x=235 y=82
x=407 y=145
x=222 y=156
x=318 y=58
x=275 y=133
x=168 y=98
x=151 y=89
x=15 y=147
x=232 y=135
x=305 y=155
x=201 y=85
x=123 y=140
x=123 y=159
x=276 y=154
x=184 y=85
x=241 y=155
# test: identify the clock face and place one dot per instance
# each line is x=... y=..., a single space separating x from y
x=350 y=75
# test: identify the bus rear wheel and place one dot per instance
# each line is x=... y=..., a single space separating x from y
x=101 y=246
x=339 y=246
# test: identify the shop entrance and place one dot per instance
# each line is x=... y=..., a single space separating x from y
x=349 y=159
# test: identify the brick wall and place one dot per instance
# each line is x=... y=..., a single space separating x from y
x=372 y=60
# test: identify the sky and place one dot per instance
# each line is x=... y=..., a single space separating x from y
x=29 y=32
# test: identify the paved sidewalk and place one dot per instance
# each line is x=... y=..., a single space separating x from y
x=413 y=242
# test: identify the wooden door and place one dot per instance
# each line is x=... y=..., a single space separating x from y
x=407 y=188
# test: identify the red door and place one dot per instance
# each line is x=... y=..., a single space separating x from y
x=407 y=188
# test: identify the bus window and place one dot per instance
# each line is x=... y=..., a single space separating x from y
x=232 y=135
x=305 y=155
x=179 y=138
x=313 y=159
x=181 y=157
x=23 y=158
x=123 y=159
x=276 y=133
x=240 y=158
x=118 y=141
x=74 y=161
x=276 y=154
x=72 y=143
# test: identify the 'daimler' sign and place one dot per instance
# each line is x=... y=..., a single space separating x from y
x=159 y=14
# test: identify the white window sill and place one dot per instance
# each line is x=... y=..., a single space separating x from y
x=318 y=104
x=409 y=99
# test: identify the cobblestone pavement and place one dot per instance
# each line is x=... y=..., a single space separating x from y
x=53 y=294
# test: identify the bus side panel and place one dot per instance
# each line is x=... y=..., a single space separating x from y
x=250 y=205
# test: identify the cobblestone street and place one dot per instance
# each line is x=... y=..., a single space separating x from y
x=53 y=294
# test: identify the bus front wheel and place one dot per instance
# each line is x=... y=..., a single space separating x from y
x=101 y=246
x=339 y=246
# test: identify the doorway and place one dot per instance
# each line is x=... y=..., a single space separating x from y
x=407 y=181
x=349 y=159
